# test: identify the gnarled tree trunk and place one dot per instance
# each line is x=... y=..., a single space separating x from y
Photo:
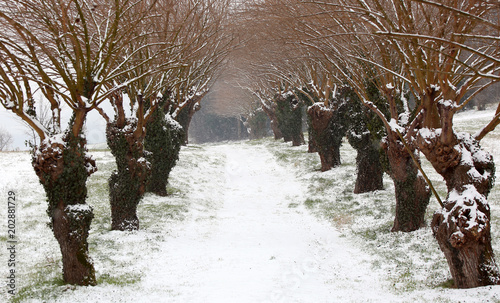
x=63 y=167
x=462 y=227
x=322 y=136
x=289 y=116
x=412 y=192
x=369 y=170
x=365 y=130
x=128 y=182
x=163 y=143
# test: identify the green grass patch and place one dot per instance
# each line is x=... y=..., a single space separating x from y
x=45 y=283
x=311 y=203
x=118 y=280
x=447 y=284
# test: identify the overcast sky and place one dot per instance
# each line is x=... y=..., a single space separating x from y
x=95 y=127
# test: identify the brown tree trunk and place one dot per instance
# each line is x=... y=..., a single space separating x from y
x=77 y=266
x=323 y=137
x=462 y=227
x=128 y=182
x=63 y=168
x=412 y=193
x=270 y=112
x=370 y=172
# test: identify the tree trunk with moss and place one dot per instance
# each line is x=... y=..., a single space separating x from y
x=322 y=136
x=63 y=167
x=257 y=124
x=370 y=171
x=289 y=117
x=128 y=182
x=412 y=192
x=462 y=227
x=365 y=131
x=327 y=128
x=163 y=142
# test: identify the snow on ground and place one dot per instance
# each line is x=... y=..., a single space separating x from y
x=246 y=222
x=257 y=249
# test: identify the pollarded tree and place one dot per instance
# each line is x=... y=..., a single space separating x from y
x=183 y=46
x=202 y=46
x=207 y=39
x=332 y=33
x=289 y=116
x=69 y=52
x=451 y=53
x=164 y=137
x=326 y=114
x=151 y=53
x=365 y=133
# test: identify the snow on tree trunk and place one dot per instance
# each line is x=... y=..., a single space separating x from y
x=128 y=182
x=63 y=167
x=163 y=143
x=412 y=192
x=364 y=135
x=462 y=227
x=185 y=116
x=322 y=136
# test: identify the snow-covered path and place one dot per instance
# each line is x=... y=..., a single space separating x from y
x=236 y=229
x=259 y=246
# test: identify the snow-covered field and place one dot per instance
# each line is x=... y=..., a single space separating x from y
x=246 y=222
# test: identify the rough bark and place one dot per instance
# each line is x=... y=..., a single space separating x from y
x=412 y=192
x=365 y=131
x=63 y=167
x=369 y=170
x=462 y=227
x=289 y=117
x=163 y=143
x=322 y=135
x=128 y=182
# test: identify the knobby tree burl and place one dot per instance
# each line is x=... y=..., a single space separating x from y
x=62 y=165
x=365 y=133
x=62 y=51
x=327 y=129
x=164 y=137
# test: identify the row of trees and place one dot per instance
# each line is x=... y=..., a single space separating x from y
x=413 y=64
x=399 y=69
x=157 y=57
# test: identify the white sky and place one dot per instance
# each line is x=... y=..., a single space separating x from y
x=95 y=127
